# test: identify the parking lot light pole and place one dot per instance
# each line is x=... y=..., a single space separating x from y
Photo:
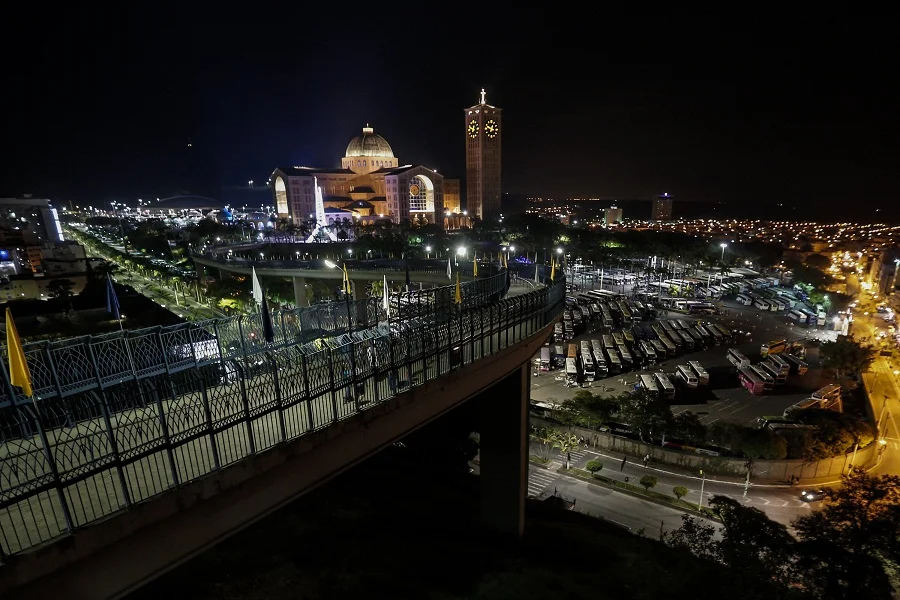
x=702 y=485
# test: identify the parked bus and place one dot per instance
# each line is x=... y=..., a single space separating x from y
x=698 y=340
x=702 y=375
x=615 y=363
x=761 y=304
x=829 y=393
x=751 y=381
x=783 y=365
x=745 y=300
x=768 y=380
x=687 y=339
x=627 y=360
x=600 y=367
x=798 y=316
x=585 y=347
x=667 y=389
x=715 y=333
x=671 y=350
x=587 y=366
x=558 y=335
x=773 y=347
x=572 y=352
x=659 y=349
x=648 y=383
x=545 y=358
x=649 y=351
x=608 y=342
x=797 y=366
x=774 y=371
x=707 y=337
x=571 y=371
x=737 y=359
x=618 y=338
x=686 y=375
x=629 y=337
x=726 y=333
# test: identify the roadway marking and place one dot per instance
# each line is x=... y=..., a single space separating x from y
x=538 y=481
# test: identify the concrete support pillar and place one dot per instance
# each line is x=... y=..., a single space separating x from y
x=300 y=297
x=359 y=289
x=201 y=273
x=504 y=452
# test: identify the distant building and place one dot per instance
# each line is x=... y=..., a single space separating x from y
x=662 y=208
x=483 y=131
x=370 y=185
x=451 y=196
x=612 y=215
x=882 y=274
x=28 y=220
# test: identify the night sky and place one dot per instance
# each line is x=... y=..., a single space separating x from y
x=709 y=110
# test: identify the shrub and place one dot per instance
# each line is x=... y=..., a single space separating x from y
x=648 y=481
x=680 y=491
x=594 y=465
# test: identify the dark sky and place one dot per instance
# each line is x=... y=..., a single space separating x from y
x=101 y=106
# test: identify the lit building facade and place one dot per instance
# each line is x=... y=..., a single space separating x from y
x=484 y=133
x=28 y=220
x=662 y=208
x=612 y=215
x=370 y=185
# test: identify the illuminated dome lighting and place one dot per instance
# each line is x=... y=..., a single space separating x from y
x=369 y=144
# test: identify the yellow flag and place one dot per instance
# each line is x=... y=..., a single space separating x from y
x=346 y=285
x=505 y=266
x=458 y=299
x=474 y=266
x=552 y=269
x=19 y=374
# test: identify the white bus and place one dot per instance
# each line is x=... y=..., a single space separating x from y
x=649 y=384
x=671 y=350
x=687 y=339
x=737 y=359
x=615 y=363
x=761 y=304
x=685 y=374
x=571 y=371
x=587 y=366
x=659 y=349
x=600 y=364
x=829 y=393
x=702 y=375
x=768 y=380
x=783 y=365
x=797 y=366
x=745 y=300
x=798 y=316
x=774 y=371
x=627 y=361
x=665 y=385
x=649 y=351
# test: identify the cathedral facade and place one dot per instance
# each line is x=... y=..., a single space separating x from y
x=371 y=185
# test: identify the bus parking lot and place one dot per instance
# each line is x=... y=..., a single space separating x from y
x=724 y=399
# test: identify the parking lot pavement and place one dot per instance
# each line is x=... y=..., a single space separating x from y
x=724 y=399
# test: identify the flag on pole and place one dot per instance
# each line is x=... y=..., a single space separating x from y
x=474 y=266
x=552 y=270
x=537 y=270
x=386 y=302
x=257 y=289
x=458 y=298
x=449 y=270
x=268 y=331
x=348 y=289
x=19 y=375
x=505 y=266
x=112 y=301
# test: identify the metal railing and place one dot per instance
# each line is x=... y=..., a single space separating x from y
x=118 y=419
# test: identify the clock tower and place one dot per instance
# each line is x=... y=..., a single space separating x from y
x=484 y=132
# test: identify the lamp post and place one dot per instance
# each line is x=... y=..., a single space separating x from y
x=428 y=251
x=702 y=485
x=724 y=245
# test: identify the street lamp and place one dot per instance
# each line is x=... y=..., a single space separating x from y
x=428 y=251
x=724 y=245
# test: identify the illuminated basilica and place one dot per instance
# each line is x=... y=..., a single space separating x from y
x=371 y=185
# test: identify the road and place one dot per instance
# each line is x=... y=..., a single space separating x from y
x=780 y=503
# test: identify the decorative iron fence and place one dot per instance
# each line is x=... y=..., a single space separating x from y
x=120 y=418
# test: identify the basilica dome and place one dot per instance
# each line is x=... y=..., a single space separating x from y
x=369 y=144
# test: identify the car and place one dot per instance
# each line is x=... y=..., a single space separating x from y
x=812 y=495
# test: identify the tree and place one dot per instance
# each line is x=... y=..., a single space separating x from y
x=751 y=541
x=594 y=466
x=862 y=516
x=846 y=357
x=680 y=491
x=687 y=427
x=566 y=442
x=592 y=410
x=648 y=414
x=648 y=481
x=696 y=537
x=543 y=437
x=818 y=261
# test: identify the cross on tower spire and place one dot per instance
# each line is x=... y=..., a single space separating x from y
x=482 y=95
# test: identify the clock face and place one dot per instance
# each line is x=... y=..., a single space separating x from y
x=414 y=189
x=473 y=128
x=491 y=129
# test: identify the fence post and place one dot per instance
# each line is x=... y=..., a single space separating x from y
x=278 y=399
x=173 y=467
x=334 y=407
x=245 y=399
x=304 y=367
x=209 y=422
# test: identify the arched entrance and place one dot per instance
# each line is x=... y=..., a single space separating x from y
x=281 y=201
x=421 y=198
